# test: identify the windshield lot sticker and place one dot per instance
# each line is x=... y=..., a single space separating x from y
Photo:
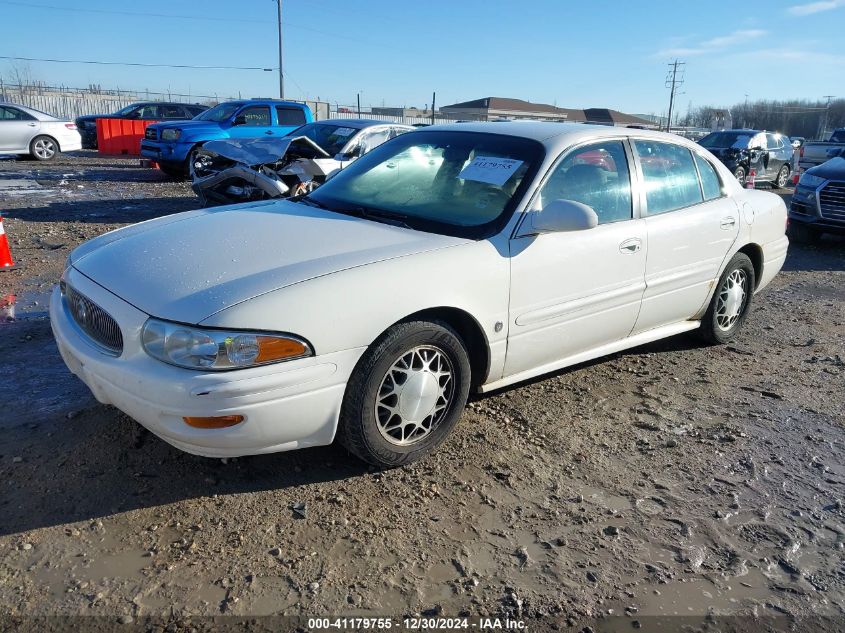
x=343 y=131
x=490 y=170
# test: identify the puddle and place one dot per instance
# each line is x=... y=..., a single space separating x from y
x=605 y=499
x=32 y=304
x=700 y=596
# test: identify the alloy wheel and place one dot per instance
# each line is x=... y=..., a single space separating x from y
x=44 y=148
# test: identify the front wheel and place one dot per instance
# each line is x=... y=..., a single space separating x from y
x=729 y=307
x=739 y=174
x=783 y=177
x=43 y=148
x=406 y=394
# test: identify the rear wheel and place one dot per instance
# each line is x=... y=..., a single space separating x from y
x=43 y=148
x=406 y=394
x=731 y=301
x=739 y=174
x=783 y=177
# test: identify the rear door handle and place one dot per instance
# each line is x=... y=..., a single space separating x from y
x=32 y=124
x=269 y=132
x=728 y=222
x=631 y=245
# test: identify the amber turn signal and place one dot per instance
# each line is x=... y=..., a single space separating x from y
x=219 y=422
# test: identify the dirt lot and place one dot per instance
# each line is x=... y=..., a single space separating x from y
x=671 y=479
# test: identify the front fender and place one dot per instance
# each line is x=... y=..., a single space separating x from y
x=351 y=308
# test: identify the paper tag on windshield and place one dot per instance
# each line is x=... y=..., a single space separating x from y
x=343 y=131
x=491 y=170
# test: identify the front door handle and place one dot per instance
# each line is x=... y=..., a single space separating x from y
x=630 y=246
x=269 y=132
x=728 y=223
x=32 y=124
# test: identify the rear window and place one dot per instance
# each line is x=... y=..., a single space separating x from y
x=290 y=116
x=724 y=140
x=671 y=180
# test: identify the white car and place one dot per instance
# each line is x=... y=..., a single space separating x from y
x=450 y=259
x=40 y=135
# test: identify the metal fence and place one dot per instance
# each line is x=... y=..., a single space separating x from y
x=408 y=120
x=69 y=103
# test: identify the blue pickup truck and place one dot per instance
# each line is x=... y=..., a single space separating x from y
x=172 y=144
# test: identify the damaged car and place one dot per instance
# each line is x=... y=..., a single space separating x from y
x=228 y=171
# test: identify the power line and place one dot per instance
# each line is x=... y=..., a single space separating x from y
x=100 y=63
x=144 y=14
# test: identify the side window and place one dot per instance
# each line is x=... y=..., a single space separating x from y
x=13 y=114
x=710 y=183
x=147 y=112
x=396 y=131
x=370 y=140
x=254 y=116
x=669 y=175
x=290 y=116
x=171 y=112
x=772 y=142
x=596 y=175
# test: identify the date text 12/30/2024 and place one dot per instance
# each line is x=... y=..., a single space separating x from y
x=415 y=624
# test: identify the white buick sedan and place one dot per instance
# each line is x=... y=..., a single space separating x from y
x=448 y=260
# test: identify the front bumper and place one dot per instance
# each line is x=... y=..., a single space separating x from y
x=806 y=208
x=285 y=406
x=172 y=152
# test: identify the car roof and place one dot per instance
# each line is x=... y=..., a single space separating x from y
x=38 y=114
x=556 y=136
x=359 y=123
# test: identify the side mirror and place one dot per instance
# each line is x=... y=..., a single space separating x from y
x=239 y=120
x=564 y=215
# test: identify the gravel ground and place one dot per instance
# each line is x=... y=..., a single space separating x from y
x=675 y=478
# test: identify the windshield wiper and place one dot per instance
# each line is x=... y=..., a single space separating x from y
x=310 y=202
x=379 y=215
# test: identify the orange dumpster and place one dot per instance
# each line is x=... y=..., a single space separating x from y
x=120 y=136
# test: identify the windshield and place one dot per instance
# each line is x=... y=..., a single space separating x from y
x=459 y=183
x=127 y=109
x=720 y=140
x=329 y=136
x=219 y=112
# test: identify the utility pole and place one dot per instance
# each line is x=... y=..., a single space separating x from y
x=281 y=73
x=433 y=98
x=674 y=80
x=825 y=119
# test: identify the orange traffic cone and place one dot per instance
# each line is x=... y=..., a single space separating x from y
x=6 y=261
x=749 y=181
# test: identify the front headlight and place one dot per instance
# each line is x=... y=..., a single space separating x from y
x=808 y=180
x=170 y=135
x=217 y=350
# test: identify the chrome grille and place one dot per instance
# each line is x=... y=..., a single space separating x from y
x=832 y=201
x=93 y=320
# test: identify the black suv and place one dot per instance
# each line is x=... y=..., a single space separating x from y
x=145 y=110
x=767 y=153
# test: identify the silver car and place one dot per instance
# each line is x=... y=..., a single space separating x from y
x=35 y=133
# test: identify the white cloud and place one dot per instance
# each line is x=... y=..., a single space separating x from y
x=714 y=44
x=815 y=7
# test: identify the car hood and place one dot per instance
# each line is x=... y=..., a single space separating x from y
x=258 y=151
x=834 y=169
x=189 y=266
x=187 y=125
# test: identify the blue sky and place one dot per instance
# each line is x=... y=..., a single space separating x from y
x=575 y=54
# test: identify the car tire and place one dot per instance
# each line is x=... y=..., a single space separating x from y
x=802 y=234
x=43 y=148
x=174 y=172
x=381 y=427
x=728 y=308
x=739 y=174
x=782 y=177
